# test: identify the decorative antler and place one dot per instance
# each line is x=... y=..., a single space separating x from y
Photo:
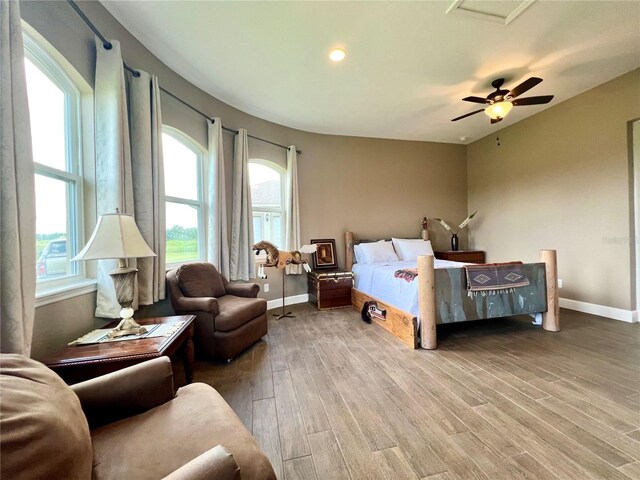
x=460 y=227
x=444 y=224
x=467 y=220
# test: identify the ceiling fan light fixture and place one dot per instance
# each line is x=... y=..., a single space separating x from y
x=498 y=110
x=337 y=54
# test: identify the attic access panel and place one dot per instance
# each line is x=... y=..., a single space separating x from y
x=502 y=12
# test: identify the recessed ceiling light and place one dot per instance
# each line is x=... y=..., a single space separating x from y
x=464 y=139
x=337 y=54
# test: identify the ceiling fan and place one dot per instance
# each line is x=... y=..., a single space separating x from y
x=500 y=102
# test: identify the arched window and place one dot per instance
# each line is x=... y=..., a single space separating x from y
x=268 y=201
x=183 y=197
x=55 y=113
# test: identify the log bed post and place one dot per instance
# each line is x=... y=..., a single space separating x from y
x=427 y=301
x=551 y=318
x=348 y=243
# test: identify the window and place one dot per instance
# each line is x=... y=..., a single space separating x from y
x=54 y=109
x=183 y=196
x=267 y=197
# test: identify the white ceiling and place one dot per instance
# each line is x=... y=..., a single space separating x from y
x=408 y=63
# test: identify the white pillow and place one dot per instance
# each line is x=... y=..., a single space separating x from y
x=381 y=251
x=411 y=248
x=357 y=254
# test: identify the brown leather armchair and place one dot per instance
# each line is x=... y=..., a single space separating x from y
x=124 y=425
x=229 y=316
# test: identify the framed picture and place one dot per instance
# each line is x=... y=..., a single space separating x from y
x=325 y=255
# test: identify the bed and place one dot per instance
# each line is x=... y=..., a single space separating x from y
x=416 y=295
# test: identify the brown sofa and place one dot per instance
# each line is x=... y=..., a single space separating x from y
x=123 y=425
x=229 y=316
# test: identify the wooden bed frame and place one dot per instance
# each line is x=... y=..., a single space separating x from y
x=404 y=325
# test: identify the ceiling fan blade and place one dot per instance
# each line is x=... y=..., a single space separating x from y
x=467 y=115
x=475 y=100
x=495 y=120
x=524 y=86
x=533 y=100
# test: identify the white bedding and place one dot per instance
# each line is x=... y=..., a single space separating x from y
x=377 y=280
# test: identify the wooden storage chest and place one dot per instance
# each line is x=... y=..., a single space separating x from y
x=330 y=288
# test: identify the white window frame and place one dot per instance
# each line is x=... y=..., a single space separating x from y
x=199 y=204
x=46 y=58
x=283 y=193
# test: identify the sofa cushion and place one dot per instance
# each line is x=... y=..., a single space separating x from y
x=155 y=443
x=44 y=431
x=236 y=311
x=200 y=280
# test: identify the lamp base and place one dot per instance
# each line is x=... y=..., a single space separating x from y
x=124 y=282
x=127 y=326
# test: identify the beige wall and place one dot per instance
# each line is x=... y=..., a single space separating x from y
x=59 y=323
x=374 y=187
x=378 y=188
x=561 y=179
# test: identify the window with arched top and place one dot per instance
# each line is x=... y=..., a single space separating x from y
x=56 y=137
x=184 y=200
x=267 y=182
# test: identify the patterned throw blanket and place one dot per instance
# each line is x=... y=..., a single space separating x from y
x=408 y=274
x=493 y=278
x=486 y=279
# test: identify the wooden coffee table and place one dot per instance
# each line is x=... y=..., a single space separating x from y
x=77 y=363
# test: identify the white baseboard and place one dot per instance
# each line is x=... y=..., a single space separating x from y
x=288 y=301
x=629 y=316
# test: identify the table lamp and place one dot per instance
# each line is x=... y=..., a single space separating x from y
x=116 y=236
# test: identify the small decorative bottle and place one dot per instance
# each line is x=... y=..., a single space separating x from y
x=454 y=242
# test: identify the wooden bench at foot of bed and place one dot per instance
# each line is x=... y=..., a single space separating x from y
x=400 y=323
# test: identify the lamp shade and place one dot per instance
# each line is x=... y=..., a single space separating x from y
x=116 y=236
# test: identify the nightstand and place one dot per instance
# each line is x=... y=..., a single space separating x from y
x=330 y=288
x=465 y=256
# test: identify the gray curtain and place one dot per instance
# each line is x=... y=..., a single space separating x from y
x=17 y=191
x=217 y=232
x=114 y=186
x=242 y=261
x=292 y=225
x=145 y=122
x=130 y=171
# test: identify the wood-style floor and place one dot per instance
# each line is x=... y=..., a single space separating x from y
x=330 y=397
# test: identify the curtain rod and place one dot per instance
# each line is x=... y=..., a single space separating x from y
x=108 y=46
x=231 y=130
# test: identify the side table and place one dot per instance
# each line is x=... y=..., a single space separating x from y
x=76 y=363
x=465 y=256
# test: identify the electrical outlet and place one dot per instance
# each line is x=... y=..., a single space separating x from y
x=266 y=287
x=559 y=283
